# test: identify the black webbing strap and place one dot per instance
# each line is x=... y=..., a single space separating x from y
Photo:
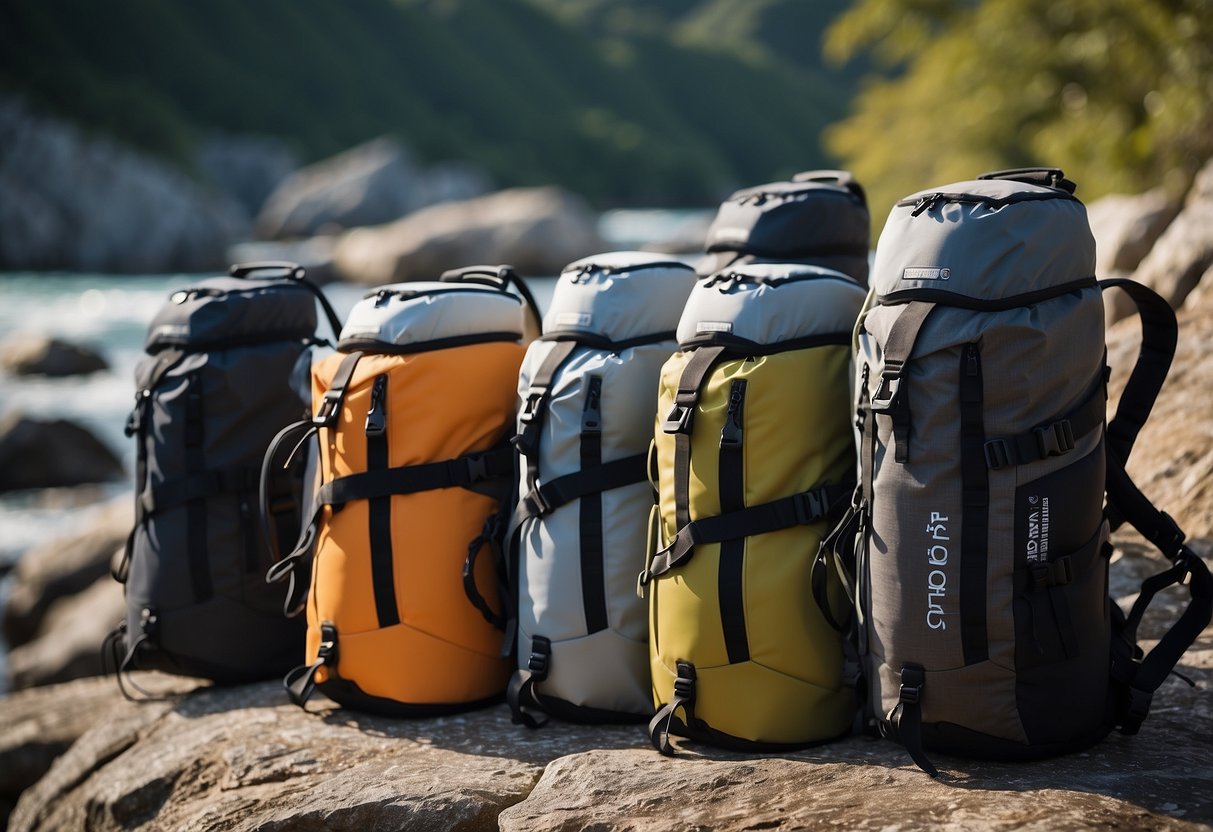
x=801 y=509
x=274 y=540
x=491 y=533
x=525 y=707
x=837 y=552
x=891 y=397
x=865 y=425
x=201 y=485
x=904 y=723
x=301 y=682
x=195 y=466
x=1158 y=527
x=379 y=507
x=665 y=721
x=731 y=570
x=330 y=403
x=679 y=421
x=549 y=496
x=535 y=406
x=593 y=577
x=1053 y=439
x=1159 y=334
x=975 y=528
x=462 y=472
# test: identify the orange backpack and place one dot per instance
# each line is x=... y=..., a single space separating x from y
x=412 y=415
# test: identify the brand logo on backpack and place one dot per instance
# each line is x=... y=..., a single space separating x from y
x=926 y=274
x=1036 y=548
x=714 y=326
x=937 y=579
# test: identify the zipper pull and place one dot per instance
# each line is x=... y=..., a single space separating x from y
x=730 y=434
x=591 y=415
x=925 y=203
x=382 y=297
x=972 y=360
x=376 y=416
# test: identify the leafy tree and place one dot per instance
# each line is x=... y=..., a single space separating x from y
x=1118 y=93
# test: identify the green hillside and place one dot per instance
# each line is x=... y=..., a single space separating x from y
x=632 y=102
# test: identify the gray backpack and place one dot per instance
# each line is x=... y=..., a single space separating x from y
x=589 y=392
x=225 y=361
x=977 y=548
x=819 y=218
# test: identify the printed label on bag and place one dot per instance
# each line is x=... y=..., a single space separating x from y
x=926 y=274
x=714 y=326
x=573 y=319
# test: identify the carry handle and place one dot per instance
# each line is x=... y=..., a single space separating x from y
x=499 y=277
x=1048 y=177
x=841 y=178
x=290 y=271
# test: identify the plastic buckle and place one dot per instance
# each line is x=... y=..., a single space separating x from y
x=1063 y=571
x=477 y=468
x=679 y=420
x=536 y=504
x=328 y=644
x=1170 y=538
x=1055 y=439
x=910 y=694
x=1137 y=710
x=809 y=507
x=998 y=454
x=531 y=406
x=327 y=414
x=1041 y=574
x=886 y=397
x=149 y=622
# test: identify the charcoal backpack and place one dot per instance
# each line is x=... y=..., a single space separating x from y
x=588 y=390
x=820 y=217
x=754 y=460
x=411 y=417
x=978 y=546
x=220 y=379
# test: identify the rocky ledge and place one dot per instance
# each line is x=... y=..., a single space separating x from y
x=244 y=758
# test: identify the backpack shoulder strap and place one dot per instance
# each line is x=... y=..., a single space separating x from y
x=1159 y=335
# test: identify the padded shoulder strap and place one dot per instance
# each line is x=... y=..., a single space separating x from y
x=1159 y=334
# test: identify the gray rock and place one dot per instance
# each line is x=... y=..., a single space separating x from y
x=63 y=567
x=28 y=353
x=369 y=184
x=246 y=168
x=36 y=453
x=1125 y=229
x=1184 y=252
x=71 y=201
x=68 y=644
x=537 y=230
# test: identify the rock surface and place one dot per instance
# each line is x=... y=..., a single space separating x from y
x=246 y=168
x=71 y=201
x=1126 y=228
x=36 y=453
x=537 y=230
x=63 y=567
x=32 y=354
x=1184 y=252
x=371 y=184
x=68 y=644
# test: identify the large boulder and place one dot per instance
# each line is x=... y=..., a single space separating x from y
x=32 y=354
x=246 y=168
x=369 y=184
x=38 y=453
x=1125 y=229
x=68 y=643
x=537 y=230
x=74 y=201
x=1183 y=253
x=62 y=567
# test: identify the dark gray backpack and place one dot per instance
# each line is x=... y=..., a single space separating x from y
x=977 y=548
x=225 y=361
x=819 y=218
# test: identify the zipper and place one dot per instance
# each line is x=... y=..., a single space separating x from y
x=928 y=201
x=583 y=272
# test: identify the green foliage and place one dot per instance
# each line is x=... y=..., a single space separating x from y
x=1118 y=93
x=644 y=101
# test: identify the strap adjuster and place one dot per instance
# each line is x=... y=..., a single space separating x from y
x=810 y=506
x=1055 y=439
x=679 y=420
x=327 y=414
x=531 y=406
x=998 y=454
x=541 y=653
